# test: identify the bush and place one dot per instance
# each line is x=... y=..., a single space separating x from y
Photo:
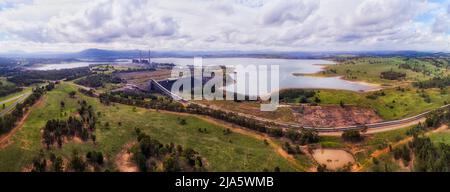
x=352 y=135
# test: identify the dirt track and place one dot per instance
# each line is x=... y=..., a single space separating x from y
x=123 y=160
x=380 y=152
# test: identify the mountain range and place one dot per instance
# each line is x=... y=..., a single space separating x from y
x=103 y=54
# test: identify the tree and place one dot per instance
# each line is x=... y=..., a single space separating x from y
x=171 y=165
x=39 y=162
x=141 y=161
x=57 y=164
x=77 y=163
x=94 y=138
x=352 y=135
x=308 y=136
x=277 y=169
x=341 y=103
x=95 y=157
x=322 y=168
x=72 y=94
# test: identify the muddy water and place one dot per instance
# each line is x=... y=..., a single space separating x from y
x=333 y=158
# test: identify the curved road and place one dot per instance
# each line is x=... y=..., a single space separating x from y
x=19 y=99
x=371 y=128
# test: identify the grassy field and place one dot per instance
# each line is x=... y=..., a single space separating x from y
x=3 y=81
x=369 y=69
x=331 y=142
x=443 y=137
x=234 y=152
x=395 y=103
x=384 y=163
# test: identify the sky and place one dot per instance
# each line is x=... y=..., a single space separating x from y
x=214 y=25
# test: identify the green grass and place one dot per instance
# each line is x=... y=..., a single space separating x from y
x=382 y=140
x=386 y=163
x=369 y=69
x=388 y=137
x=331 y=142
x=395 y=104
x=4 y=81
x=234 y=152
x=443 y=137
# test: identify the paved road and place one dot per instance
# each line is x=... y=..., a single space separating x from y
x=371 y=128
x=19 y=99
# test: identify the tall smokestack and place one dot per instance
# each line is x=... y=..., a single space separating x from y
x=149 y=60
x=140 y=56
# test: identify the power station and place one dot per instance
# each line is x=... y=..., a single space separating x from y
x=148 y=62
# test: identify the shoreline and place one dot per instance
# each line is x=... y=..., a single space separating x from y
x=377 y=87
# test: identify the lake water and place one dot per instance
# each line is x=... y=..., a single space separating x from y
x=287 y=67
x=59 y=66
x=72 y=65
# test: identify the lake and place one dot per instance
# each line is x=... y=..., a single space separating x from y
x=72 y=65
x=288 y=67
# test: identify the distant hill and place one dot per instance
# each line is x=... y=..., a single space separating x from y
x=102 y=54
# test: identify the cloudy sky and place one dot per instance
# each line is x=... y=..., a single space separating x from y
x=281 y=25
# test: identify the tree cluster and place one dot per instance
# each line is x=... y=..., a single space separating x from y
x=28 y=77
x=8 y=121
x=57 y=131
x=392 y=75
x=437 y=82
x=292 y=149
x=402 y=153
x=429 y=157
x=151 y=155
x=290 y=95
x=352 y=135
x=136 y=99
x=98 y=80
x=76 y=163
x=6 y=89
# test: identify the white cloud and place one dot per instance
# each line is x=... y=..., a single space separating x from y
x=281 y=11
x=442 y=22
x=225 y=24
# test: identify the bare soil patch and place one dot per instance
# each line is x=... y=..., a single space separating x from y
x=334 y=116
x=333 y=158
x=124 y=160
